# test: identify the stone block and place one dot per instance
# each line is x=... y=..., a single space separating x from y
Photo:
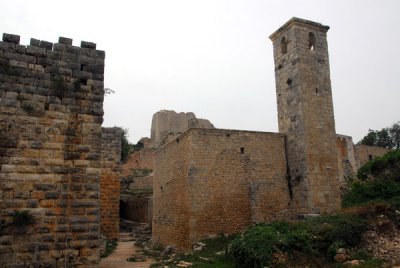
x=11 y=38
x=90 y=45
x=46 y=45
x=35 y=51
x=19 y=64
x=35 y=42
x=65 y=41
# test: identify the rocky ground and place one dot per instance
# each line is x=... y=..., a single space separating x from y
x=382 y=239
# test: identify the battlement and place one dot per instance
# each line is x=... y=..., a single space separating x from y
x=59 y=71
x=15 y=39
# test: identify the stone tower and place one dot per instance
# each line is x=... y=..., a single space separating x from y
x=305 y=115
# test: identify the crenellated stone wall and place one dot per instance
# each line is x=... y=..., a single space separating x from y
x=110 y=181
x=51 y=111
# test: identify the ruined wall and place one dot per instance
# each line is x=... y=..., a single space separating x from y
x=166 y=125
x=351 y=157
x=138 y=209
x=364 y=153
x=110 y=181
x=143 y=159
x=218 y=181
x=305 y=115
x=51 y=111
x=346 y=158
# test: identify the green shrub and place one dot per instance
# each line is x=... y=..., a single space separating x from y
x=336 y=230
x=22 y=218
x=387 y=166
x=3 y=226
x=320 y=236
x=111 y=245
x=378 y=189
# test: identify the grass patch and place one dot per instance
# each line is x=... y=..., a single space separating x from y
x=111 y=245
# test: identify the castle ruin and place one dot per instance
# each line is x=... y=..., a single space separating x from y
x=212 y=181
x=59 y=164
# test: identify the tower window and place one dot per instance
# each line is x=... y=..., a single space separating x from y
x=283 y=45
x=311 y=41
x=241 y=150
x=316 y=90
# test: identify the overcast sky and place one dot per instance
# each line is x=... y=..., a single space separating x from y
x=214 y=58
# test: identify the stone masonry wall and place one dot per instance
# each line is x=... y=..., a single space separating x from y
x=171 y=206
x=305 y=115
x=110 y=181
x=51 y=111
x=364 y=153
x=351 y=157
x=346 y=158
x=221 y=181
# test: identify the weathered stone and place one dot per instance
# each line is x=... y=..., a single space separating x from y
x=167 y=125
x=46 y=45
x=65 y=41
x=38 y=151
x=90 y=45
x=35 y=42
x=11 y=38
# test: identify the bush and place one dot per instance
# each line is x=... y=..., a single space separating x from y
x=22 y=218
x=320 y=236
x=387 y=166
x=336 y=230
x=379 y=189
x=111 y=245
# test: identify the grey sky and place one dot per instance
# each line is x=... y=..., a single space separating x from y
x=214 y=58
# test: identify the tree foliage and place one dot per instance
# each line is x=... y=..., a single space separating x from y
x=386 y=137
x=125 y=146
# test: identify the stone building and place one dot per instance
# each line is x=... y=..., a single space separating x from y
x=211 y=181
x=51 y=161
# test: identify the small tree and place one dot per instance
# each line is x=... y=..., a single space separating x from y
x=386 y=137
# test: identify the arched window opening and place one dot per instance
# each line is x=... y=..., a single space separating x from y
x=311 y=41
x=283 y=45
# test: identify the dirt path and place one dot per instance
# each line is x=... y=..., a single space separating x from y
x=118 y=259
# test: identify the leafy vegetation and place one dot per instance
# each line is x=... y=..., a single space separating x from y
x=22 y=218
x=386 y=166
x=375 y=190
x=3 y=225
x=111 y=245
x=320 y=236
x=386 y=137
x=378 y=180
x=125 y=146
